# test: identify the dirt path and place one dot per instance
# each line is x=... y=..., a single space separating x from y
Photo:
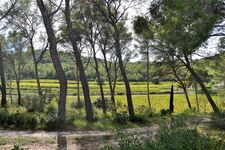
x=79 y=140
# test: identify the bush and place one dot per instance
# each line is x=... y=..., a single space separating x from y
x=51 y=124
x=77 y=105
x=145 y=111
x=164 y=112
x=18 y=119
x=99 y=103
x=138 y=119
x=170 y=137
x=33 y=103
x=121 y=118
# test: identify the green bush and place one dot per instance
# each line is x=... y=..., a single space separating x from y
x=33 y=103
x=121 y=118
x=77 y=105
x=145 y=111
x=99 y=103
x=176 y=136
x=138 y=119
x=164 y=112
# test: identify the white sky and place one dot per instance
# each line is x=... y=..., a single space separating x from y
x=140 y=10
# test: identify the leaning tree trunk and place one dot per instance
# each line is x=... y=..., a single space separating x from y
x=200 y=82
x=196 y=96
x=3 y=86
x=77 y=55
x=61 y=120
x=123 y=72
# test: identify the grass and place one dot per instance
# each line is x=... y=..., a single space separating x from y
x=158 y=101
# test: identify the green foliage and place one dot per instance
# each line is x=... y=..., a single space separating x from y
x=172 y=137
x=121 y=118
x=33 y=103
x=164 y=112
x=77 y=105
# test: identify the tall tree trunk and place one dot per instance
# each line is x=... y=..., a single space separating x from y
x=196 y=96
x=183 y=87
x=18 y=92
x=100 y=83
x=123 y=72
x=171 y=100
x=3 y=86
x=36 y=70
x=77 y=55
x=61 y=120
x=204 y=89
x=109 y=82
x=78 y=88
x=10 y=88
x=186 y=94
x=148 y=94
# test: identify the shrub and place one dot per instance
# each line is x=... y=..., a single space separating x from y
x=138 y=119
x=164 y=112
x=99 y=103
x=120 y=118
x=170 y=137
x=145 y=111
x=77 y=105
x=51 y=124
x=33 y=103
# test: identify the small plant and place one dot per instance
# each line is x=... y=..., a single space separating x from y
x=164 y=112
x=121 y=118
x=77 y=105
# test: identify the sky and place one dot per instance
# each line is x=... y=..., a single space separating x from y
x=141 y=9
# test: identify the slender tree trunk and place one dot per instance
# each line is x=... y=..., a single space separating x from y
x=10 y=88
x=186 y=94
x=109 y=81
x=100 y=83
x=18 y=92
x=2 y=74
x=56 y=63
x=123 y=72
x=204 y=89
x=148 y=91
x=77 y=55
x=183 y=87
x=78 y=87
x=171 y=100
x=196 y=96
x=36 y=70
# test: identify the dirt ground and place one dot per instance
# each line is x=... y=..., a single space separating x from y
x=80 y=140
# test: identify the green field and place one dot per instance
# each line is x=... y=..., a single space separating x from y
x=159 y=94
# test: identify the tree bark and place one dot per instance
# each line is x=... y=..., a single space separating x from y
x=3 y=85
x=109 y=82
x=77 y=55
x=171 y=100
x=148 y=94
x=61 y=120
x=78 y=87
x=196 y=96
x=36 y=70
x=99 y=81
x=18 y=92
x=200 y=82
x=123 y=72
